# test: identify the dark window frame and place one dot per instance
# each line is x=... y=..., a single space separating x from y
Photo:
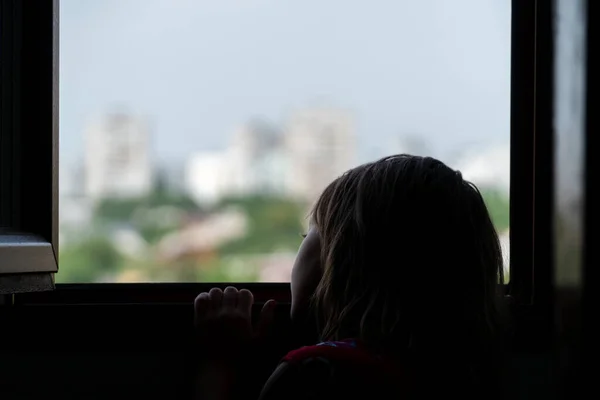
x=28 y=145
x=531 y=159
x=531 y=150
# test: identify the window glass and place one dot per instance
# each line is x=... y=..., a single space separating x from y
x=195 y=134
x=569 y=125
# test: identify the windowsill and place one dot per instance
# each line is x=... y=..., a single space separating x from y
x=153 y=293
x=145 y=293
x=22 y=253
x=27 y=263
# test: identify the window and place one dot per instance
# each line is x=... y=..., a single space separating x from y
x=195 y=136
x=29 y=63
x=232 y=117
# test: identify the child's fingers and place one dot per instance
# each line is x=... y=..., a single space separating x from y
x=201 y=306
x=245 y=301
x=265 y=319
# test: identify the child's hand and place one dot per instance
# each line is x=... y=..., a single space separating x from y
x=224 y=323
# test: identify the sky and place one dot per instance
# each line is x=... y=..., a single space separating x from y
x=196 y=69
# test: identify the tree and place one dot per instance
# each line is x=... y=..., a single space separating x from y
x=135 y=212
x=498 y=206
x=274 y=224
x=88 y=261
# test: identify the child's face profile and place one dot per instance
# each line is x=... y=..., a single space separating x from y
x=306 y=273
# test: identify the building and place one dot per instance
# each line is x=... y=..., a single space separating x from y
x=316 y=146
x=319 y=146
x=72 y=179
x=117 y=157
x=207 y=177
x=252 y=164
x=256 y=162
x=75 y=211
x=201 y=239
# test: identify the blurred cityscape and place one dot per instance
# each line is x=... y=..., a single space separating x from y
x=196 y=135
x=235 y=214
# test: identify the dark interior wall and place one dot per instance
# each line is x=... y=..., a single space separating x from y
x=101 y=351
x=147 y=351
x=94 y=375
x=94 y=351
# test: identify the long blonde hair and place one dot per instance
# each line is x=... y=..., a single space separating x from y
x=411 y=260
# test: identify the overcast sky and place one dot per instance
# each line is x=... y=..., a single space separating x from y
x=197 y=68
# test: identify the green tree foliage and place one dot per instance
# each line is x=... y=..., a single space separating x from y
x=88 y=261
x=498 y=206
x=124 y=209
x=274 y=224
x=121 y=211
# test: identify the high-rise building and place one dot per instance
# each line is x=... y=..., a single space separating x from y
x=252 y=164
x=75 y=209
x=256 y=162
x=72 y=179
x=117 y=157
x=207 y=177
x=320 y=146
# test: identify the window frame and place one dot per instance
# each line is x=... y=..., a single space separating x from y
x=532 y=167
x=28 y=145
x=531 y=173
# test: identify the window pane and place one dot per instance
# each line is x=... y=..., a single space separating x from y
x=196 y=134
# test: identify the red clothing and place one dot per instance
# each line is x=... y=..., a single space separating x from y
x=336 y=370
x=355 y=359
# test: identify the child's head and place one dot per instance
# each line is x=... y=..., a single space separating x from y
x=401 y=253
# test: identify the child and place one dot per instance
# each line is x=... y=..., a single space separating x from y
x=400 y=266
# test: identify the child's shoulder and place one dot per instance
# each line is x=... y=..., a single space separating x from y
x=329 y=369
x=348 y=352
x=349 y=349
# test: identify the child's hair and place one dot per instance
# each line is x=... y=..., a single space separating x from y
x=411 y=260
